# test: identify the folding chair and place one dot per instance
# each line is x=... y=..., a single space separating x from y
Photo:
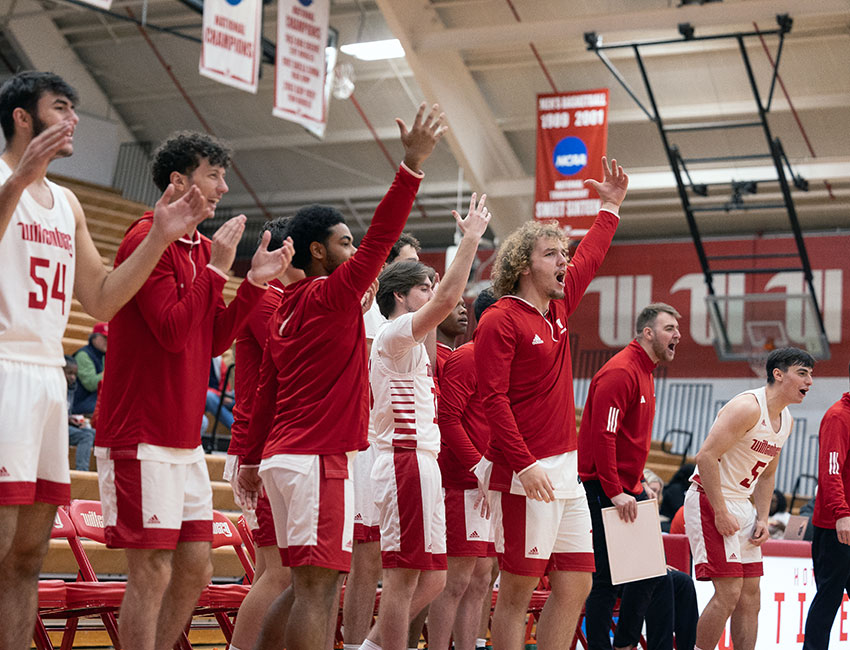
x=51 y=593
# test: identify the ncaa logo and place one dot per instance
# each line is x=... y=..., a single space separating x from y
x=233 y=3
x=305 y=3
x=570 y=156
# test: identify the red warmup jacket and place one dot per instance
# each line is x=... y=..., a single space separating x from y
x=464 y=432
x=616 y=426
x=833 y=465
x=525 y=377
x=313 y=392
x=161 y=342
x=249 y=351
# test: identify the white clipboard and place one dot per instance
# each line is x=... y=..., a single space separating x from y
x=635 y=549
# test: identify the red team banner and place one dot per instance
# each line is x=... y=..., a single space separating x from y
x=230 y=53
x=572 y=137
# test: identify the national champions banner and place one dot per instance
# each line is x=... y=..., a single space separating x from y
x=572 y=135
x=302 y=34
x=231 y=52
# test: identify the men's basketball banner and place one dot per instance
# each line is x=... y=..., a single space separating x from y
x=231 y=52
x=302 y=34
x=572 y=135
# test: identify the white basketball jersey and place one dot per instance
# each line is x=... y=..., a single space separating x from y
x=37 y=279
x=404 y=399
x=741 y=465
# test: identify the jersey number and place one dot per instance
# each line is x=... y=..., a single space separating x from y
x=747 y=482
x=38 y=299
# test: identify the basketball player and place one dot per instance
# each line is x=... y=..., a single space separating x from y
x=522 y=358
x=153 y=477
x=311 y=409
x=406 y=473
x=738 y=460
x=471 y=554
x=48 y=255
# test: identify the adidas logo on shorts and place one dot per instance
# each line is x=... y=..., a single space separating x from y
x=4 y=471
x=474 y=535
x=733 y=557
x=534 y=551
x=358 y=517
x=536 y=340
x=154 y=520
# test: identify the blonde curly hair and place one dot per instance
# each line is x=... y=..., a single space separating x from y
x=514 y=255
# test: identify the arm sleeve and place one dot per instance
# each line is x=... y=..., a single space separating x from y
x=834 y=435
x=611 y=399
x=229 y=320
x=262 y=415
x=349 y=282
x=494 y=353
x=87 y=375
x=588 y=257
x=457 y=385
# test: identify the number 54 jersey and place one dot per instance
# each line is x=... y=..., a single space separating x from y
x=744 y=462
x=37 y=278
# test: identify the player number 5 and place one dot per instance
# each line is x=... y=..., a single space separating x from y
x=747 y=482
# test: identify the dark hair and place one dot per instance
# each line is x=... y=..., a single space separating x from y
x=70 y=361
x=24 y=90
x=183 y=152
x=311 y=223
x=781 y=502
x=279 y=228
x=649 y=313
x=784 y=358
x=484 y=300
x=399 y=277
x=406 y=239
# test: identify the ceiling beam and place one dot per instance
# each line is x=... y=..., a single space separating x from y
x=477 y=142
x=430 y=38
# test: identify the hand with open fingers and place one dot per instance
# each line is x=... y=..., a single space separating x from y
x=726 y=523
x=421 y=138
x=537 y=484
x=477 y=219
x=626 y=506
x=482 y=501
x=369 y=297
x=760 y=534
x=842 y=530
x=249 y=484
x=224 y=243
x=42 y=149
x=172 y=220
x=266 y=265
x=612 y=189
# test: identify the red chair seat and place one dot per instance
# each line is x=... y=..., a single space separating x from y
x=51 y=595
x=223 y=596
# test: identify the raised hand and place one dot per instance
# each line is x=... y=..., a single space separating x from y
x=612 y=189
x=224 y=243
x=42 y=149
x=421 y=138
x=475 y=222
x=267 y=265
x=369 y=297
x=173 y=220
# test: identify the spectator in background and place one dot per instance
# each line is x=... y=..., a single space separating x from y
x=778 y=515
x=90 y=360
x=80 y=433
x=217 y=392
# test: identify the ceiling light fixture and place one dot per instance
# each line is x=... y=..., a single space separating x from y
x=375 y=50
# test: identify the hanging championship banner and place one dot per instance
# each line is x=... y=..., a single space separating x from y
x=231 y=51
x=302 y=34
x=572 y=135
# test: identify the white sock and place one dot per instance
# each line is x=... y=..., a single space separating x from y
x=480 y=643
x=370 y=645
x=350 y=646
